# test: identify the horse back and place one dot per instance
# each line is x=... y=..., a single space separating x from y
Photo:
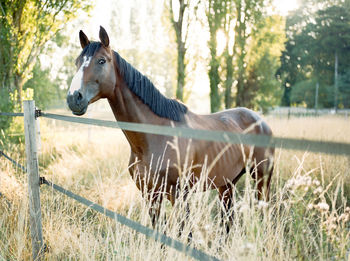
x=240 y=120
x=248 y=120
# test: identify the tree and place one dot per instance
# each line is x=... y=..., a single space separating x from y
x=344 y=89
x=26 y=26
x=229 y=23
x=46 y=90
x=331 y=31
x=178 y=24
x=215 y=15
x=239 y=20
x=316 y=51
x=262 y=89
x=292 y=70
x=248 y=13
x=181 y=18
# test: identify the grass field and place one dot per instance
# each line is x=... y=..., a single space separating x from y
x=307 y=218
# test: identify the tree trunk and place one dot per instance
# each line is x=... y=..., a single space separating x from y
x=240 y=95
x=18 y=82
x=229 y=18
x=336 y=81
x=181 y=49
x=286 y=96
x=215 y=15
x=214 y=77
x=240 y=77
x=229 y=80
x=240 y=41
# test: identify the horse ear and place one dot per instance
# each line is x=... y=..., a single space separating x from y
x=104 y=37
x=84 y=41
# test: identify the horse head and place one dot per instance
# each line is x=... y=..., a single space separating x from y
x=95 y=76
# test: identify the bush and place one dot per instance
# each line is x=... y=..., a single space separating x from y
x=6 y=105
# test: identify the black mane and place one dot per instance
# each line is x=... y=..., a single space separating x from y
x=148 y=93
x=142 y=87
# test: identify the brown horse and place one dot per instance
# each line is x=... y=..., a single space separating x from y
x=103 y=73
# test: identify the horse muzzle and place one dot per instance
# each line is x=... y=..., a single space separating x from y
x=77 y=103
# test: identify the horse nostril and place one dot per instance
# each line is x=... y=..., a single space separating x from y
x=79 y=97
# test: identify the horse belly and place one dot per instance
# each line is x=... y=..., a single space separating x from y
x=223 y=173
x=153 y=172
x=224 y=162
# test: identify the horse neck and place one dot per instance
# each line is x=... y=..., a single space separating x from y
x=127 y=107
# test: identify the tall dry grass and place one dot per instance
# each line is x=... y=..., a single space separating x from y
x=307 y=217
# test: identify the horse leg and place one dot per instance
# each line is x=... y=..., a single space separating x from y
x=263 y=179
x=155 y=202
x=226 y=197
x=153 y=197
x=263 y=184
x=187 y=214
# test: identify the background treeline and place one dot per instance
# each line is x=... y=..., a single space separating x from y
x=269 y=60
x=246 y=53
x=315 y=65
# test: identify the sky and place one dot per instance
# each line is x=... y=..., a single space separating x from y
x=284 y=6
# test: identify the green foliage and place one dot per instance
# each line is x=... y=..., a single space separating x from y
x=216 y=12
x=313 y=42
x=46 y=91
x=344 y=89
x=250 y=64
x=6 y=105
x=262 y=87
x=249 y=14
x=303 y=93
x=13 y=131
x=26 y=26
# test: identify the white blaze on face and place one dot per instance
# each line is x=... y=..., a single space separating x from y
x=77 y=80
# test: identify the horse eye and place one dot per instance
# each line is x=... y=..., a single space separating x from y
x=101 y=61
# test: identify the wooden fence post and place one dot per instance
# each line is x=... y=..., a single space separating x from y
x=33 y=179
